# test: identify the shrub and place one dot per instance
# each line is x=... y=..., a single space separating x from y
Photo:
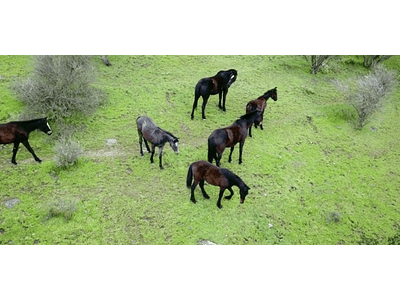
x=333 y=217
x=366 y=94
x=67 y=152
x=61 y=207
x=59 y=87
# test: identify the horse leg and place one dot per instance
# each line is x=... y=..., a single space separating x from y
x=250 y=130
x=230 y=154
x=140 y=142
x=229 y=196
x=160 y=155
x=195 y=182
x=15 y=149
x=221 y=193
x=218 y=159
x=147 y=145
x=262 y=118
x=224 y=98
x=240 y=152
x=153 y=148
x=205 y=195
x=220 y=98
x=196 y=99
x=203 y=107
x=27 y=146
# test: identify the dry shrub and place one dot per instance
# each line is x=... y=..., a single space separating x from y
x=59 y=87
x=366 y=94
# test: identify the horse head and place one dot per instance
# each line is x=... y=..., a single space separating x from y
x=45 y=127
x=272 y=93
x=174 y=144
x=232 y=77
x=243 y=193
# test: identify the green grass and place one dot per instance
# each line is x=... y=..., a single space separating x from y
x=313 y=177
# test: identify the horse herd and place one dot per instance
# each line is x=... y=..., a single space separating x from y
x=149 y=132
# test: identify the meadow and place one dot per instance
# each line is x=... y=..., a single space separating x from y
x=314 y=178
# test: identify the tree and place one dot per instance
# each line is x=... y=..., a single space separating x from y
x=371 y=61
x=316 y=62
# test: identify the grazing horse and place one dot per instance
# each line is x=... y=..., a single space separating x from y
x=260 y=104
x=18 y=132
x=203 y=171
x=218 y=84
x=149 y=131
x=229 y=137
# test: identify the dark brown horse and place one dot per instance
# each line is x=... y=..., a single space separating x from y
x=148 y=130
x=203 y=171
x=229 y=137
x=260 y=104
x=18 y=132
x=218 y=84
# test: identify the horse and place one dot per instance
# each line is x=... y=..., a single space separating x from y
x=218 y=84
x=18 y=132
x=203 y=171
x=149 y=131
x=260 y=103
x=229 y=137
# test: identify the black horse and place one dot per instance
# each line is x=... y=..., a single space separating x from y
x=229 y=137
x=203 y=171
x=18 y=132
x=218 y=84
x=148 y=130
x=260 y=104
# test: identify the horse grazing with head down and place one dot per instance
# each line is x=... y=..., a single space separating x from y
x=149 y=131
x=260 y=104
x=202 y=171
x=18 y=132
x=217 y=84
x=229 y=137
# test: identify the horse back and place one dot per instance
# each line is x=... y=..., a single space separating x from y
x=259 y=104
x=203 y=170
x=11 y=132
x=236 y=134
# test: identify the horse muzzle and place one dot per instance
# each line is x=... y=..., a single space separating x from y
x=241 y=201
x=49 y=132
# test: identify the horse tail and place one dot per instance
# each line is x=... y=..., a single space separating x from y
x=212 y=150
x=189 y=177
x=196 y=94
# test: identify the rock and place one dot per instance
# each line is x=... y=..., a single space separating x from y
x=111 y=142
x=11 y=203
x=205 y=242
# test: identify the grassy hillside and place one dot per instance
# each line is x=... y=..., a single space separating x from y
x=314 y=179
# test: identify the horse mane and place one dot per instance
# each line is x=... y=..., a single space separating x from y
x=248 y=116
x=232 y=177
x=29 y=121
x=167 y=132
